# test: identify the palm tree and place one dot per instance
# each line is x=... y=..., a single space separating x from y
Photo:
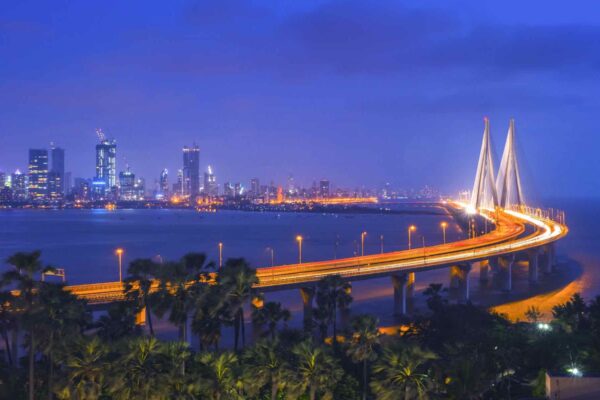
x=61 y=318
x=179 y=283
x=316 y=371
x=178 y=386
x=210 y=312
x=8 y=323
x=365 y=338
x=265 y=365
x=333 y=293
x=28 y=267
x=118 y=323
x=86 y=370
x=219 y=376
x=138 y=285
x=237 y=278
x=435 y=301
x=400 y=373
x=270 y=314
x=139 y=370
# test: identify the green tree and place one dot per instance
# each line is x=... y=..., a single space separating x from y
x=435 y=301
x=210 y=313
x=219 y=376
x=139 y=284
x=316 y=371
x=333 y=293
x=269 y=315
x=86 y=370
x=363 y=343
x=118 y=323
x=402 y=373
x=266 y=365
x=24 y=278
x=178 y=385
x=237 y=279
x=179 y=284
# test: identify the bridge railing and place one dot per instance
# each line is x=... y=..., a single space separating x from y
x=548 y=214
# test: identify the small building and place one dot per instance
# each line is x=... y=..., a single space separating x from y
x=572 y=387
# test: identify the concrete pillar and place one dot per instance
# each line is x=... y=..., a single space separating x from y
x=308 y=295
x=140 y=317
x=506 y=263
x=410 y=285
x=551 y=256
x=399 y=281
x=454 y=277
x=484 y=271
x=545 y=260
x=464 y=285
x=533 y=257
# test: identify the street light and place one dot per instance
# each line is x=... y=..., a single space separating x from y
x=119 y=252
x=444 y=224
x=220 y=255
x=411 y=229
x=299 y=240
x=381 y=239
x=362 y=243
x=272 y=251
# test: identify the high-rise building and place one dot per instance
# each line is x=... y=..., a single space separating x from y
x=291 y=186
x=178 y=187
x=210 y=183
x=163 y=183
x=106 y=164
x=255 y=187
x=68 y=183
x=81 y=189
x=54 y=186
x=3 y=179
x=20 y=184
x=57 y=167
x=127 y=185
x=38 y=174
x=324 y=190
x=191 y=171
x=228 y=190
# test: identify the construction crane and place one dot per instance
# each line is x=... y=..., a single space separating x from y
x=100 y=135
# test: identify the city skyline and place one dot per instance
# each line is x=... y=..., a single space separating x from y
x=318 y=106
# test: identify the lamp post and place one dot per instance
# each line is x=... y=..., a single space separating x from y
x=220 y=255
x=119 y=252
x=381 y=239
x=272 y=251
x=411 y=229
x=444 y=224
x=299 y=240
x=362 y=243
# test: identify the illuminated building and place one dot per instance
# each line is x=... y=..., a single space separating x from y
x=191 y=171
x=57 y=168
x=163 y=183
x=127 y=185
x=291 y=186
x=279 y=194
x=255 y=187
x=55 y=185
x=210 y=183
x=38 y=174
x=106 y=165
x=228 y=190
x=81 y=189
x=19 y=184
x=178 y=186
x=324 y=190
x=3 y=180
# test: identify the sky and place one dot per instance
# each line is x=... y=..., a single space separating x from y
x=359 y=92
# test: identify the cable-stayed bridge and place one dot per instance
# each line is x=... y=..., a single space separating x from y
x=519 y=230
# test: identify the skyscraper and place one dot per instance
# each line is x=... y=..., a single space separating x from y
x=106 y=163
x=20 y=184
x=163 y=182
x=126 y=185
x=57 y=167
x=210 y=183
x=324 y=190
x=255 y=187
x=55 y=184
x=38 y=173
x=191 y=171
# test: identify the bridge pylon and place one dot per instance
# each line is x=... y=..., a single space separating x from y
x=508 y=182
x=484 y=193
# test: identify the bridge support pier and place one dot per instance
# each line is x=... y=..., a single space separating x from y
x=464 y=285
x=308 y=295
x=410 y=285
x=506 y=263
x=455 y=274
x=140 y=317
x=484 y=271
x=533 y=257
x=399 y=281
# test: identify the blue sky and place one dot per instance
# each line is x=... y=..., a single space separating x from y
x=358 y=92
